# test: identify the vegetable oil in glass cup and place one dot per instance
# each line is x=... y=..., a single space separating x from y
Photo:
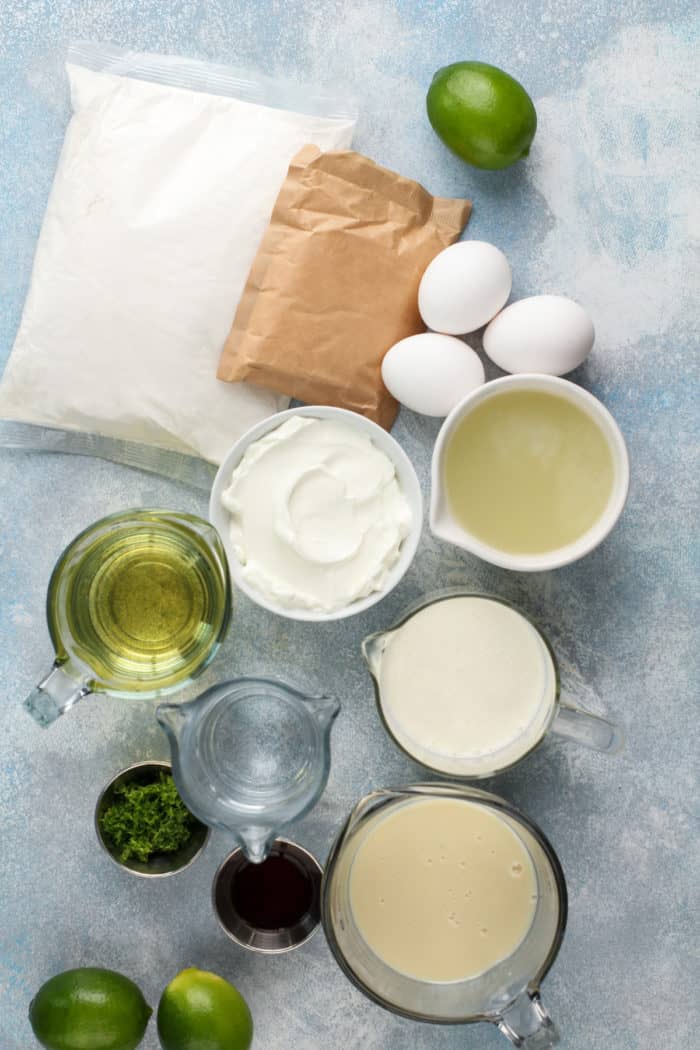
x=137 y=606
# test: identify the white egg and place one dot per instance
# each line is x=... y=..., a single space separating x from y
x=464 y=287
x=430 y=373
x=545 y=333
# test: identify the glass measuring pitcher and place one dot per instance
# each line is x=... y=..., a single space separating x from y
x=137 y=606
x=467 y=685
x=250 y=756
x=506 y=991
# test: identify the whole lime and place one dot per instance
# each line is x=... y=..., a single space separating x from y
x=201 y=1011
x=482 y=114
x=89 y=1009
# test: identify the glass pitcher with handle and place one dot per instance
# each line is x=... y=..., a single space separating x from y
x=507 y=992
x=473 y=679
x=137 y=606
x=250 y=756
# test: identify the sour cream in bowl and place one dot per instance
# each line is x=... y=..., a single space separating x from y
x=320 y=512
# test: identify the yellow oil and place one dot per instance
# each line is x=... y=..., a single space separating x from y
x=527 y=472
x=146 y=606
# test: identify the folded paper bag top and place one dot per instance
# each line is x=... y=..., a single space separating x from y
x=335 y=281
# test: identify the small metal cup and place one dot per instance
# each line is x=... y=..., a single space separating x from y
x=160 y=864
x=270 y=942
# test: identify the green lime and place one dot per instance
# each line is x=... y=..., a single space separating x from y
x=201 y=1011
x=482 y=114
x=89 y=1009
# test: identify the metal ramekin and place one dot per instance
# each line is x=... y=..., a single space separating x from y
x=160 y=864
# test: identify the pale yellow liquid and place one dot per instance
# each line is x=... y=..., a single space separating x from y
x=145 y=606
x=442 y=890
x=528 y=472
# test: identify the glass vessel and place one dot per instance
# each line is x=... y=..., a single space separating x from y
x=250 y=756
x=556 y=714
x=137 y=606
x=507 y=994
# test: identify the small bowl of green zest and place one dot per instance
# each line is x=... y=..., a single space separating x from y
x=143 y=824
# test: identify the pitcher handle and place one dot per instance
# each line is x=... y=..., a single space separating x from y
x=597 y=733
x=55 y=695
x=526 y=1023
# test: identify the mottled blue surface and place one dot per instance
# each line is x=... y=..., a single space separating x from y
x=604 y=210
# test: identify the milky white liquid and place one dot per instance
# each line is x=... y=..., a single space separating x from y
x=467 y=685
x=442 y=889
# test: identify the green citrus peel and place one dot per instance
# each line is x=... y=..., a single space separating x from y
x=144 y=819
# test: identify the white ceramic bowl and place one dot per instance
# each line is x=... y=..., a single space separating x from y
x=443 y=524
x=220 y=518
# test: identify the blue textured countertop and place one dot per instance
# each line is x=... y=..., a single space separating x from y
x=601 y=211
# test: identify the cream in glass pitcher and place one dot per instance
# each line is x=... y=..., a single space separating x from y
x=467 y=685
x=463 y=877
x=444 y=903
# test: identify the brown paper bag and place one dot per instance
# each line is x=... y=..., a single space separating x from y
x=335 y=282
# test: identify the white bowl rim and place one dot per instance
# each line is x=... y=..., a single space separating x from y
x=592 y=537
x=410 y=485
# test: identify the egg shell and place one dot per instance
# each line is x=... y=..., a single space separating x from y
x=430 y=373
x=464 y=287
x=545 y=333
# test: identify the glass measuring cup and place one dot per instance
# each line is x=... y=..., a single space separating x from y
x=250 y=756
x=137 y=606
x=549 y=712
x=507 y=993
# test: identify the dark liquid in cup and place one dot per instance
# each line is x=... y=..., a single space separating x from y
x=273 y=895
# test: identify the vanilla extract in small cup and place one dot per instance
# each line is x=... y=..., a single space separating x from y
x=273 y=906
